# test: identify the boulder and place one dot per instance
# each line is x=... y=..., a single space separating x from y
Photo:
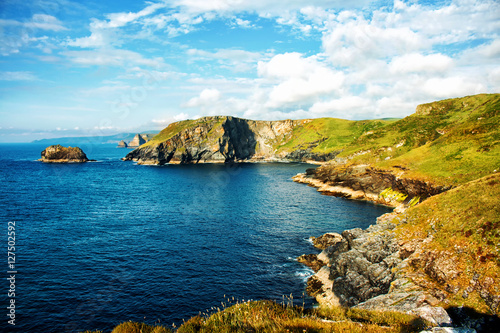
x=326 y=240
x=60 y=154
x=311 y=260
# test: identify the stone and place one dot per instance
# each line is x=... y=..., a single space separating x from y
x=352 y=234
x=312 y=261
x=450 y=330
x=435 y=315
x=326 y=240
x=60 y=154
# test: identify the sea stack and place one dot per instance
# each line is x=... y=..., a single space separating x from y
x=137 y=141
x=60 y=154
x=122 y=144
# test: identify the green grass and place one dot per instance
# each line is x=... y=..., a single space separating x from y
x=464 y=224
x=326 y=135
x=267 y=316
x=450 y=142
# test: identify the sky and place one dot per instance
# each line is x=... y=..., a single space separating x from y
x=91 y=68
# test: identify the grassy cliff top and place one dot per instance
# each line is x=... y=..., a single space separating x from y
x=450 y=142
x=463 y=226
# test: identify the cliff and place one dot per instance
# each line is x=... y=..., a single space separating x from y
x=224 y=139
x=138 y=140
x=436 y=260
x=437 y=255
x=60 y=154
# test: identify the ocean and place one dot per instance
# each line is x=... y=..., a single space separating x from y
x=100 y=243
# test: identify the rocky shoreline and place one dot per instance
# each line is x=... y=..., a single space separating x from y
x=373 y=269
x=362 y=268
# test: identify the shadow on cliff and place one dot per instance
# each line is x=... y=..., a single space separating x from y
x=241 y=143
x=470 y=318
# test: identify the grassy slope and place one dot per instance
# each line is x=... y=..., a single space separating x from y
x=267 y=316
x=468 y=149
x=464 y=224
x=325 y=135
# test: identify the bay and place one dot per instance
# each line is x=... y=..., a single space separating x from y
x=109 y=241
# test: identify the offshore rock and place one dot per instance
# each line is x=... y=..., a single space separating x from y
x=122 y=144
x=60 y=154
x=138 y=140
x=312 y=261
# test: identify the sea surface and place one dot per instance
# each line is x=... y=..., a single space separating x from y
x=100 y=243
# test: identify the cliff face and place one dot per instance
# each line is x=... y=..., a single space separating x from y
x=60 y=154
x=441 y=252
x=221 y=140
x=139 y=139
x=367 y=183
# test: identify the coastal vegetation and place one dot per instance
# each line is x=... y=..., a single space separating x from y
x=462 y=225
x=267 y=317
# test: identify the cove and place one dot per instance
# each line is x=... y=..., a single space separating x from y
x=110 y=241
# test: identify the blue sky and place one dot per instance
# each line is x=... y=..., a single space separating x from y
x=79 y=68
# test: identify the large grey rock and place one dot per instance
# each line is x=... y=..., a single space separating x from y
x=435 y=315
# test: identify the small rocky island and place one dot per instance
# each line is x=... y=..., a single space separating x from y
x=60 y=154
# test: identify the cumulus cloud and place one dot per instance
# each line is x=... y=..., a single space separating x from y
x=298 y=78
x=347 y=105
x=452 y=87
x=415 y=62
x=206 y=98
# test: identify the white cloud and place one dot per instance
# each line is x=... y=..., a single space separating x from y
x=415 y=62
x=17 y=76
x=121 y=19
x=236 y=60
x=112 y=57
x=15 y=35
x=298 y=79
x=344 y=107
x=452 y=87
x=45 y=22
x=206 y=98
x=260 y=6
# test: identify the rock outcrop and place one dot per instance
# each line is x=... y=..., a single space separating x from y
x=383 y=268
x=361 y=269
x=138 y=140
x=60 y=154
x=364 y=182
x=122 y=144
x=222 y=140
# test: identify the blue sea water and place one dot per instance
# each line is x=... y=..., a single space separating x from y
x=100 y=243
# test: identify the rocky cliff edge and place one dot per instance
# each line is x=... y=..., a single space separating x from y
x=224 y=139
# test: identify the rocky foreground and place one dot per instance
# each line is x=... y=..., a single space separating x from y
x=60 y=154
x=379 y=269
